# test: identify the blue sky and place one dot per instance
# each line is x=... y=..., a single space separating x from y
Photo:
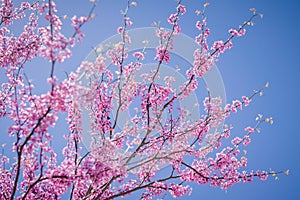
x=268 y=52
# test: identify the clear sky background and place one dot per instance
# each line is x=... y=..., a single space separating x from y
x=268 y=52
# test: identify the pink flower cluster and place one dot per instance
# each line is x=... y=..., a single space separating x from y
x=54 y=43
x=201 y=39
x=239 y=33
x=202 y=63
x=162 y=54
x=221 y=47
x=162 y=51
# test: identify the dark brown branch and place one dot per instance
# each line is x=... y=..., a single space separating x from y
x=141 y=187
x=20 y=152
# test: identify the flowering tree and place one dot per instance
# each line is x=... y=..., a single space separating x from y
x=158 y=150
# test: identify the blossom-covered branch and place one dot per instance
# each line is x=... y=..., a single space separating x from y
x=120 y=159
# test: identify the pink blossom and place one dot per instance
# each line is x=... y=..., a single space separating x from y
x=236 y=33
x=173 y=18
x=249 y=129
x=247 y=140
x=120 y=29
x=237 y=104
x=233 y=32
x=243 y=161
x=262 y=175
x=139 y=55
x=218 y=46
x=246 y=100
x=128 y=21
x=177 y=29
x=202 y=63
x=236 y=140
x=179 y=190
x=162 y=54
x=181 y=9
x=199 y=25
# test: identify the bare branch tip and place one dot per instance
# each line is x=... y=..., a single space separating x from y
x=267 y=84
x=287 y=172
x=261 y=15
